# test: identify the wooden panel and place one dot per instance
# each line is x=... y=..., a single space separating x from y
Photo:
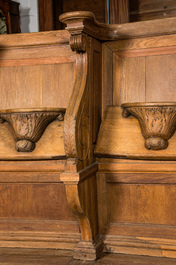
x=149 y=10
x=160 y=78
x=142 y=203
x=39 y=86
x=132 y=81
x=118 y=11
x=40 y=201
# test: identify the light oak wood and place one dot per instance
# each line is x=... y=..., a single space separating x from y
x=121 y=137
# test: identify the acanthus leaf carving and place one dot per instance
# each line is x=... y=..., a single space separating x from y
x=157 y=122
x=29 y=125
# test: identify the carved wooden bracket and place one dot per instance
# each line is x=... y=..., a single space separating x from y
x=157 y=121
x=28 y=125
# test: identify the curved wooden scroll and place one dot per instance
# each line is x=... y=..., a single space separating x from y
x=76 y=125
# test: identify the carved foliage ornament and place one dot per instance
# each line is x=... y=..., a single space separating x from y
x=157 y=122
x=28 y=125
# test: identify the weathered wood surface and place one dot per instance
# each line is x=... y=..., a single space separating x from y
x=63 y=257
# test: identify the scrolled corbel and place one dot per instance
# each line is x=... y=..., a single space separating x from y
x=77 y=43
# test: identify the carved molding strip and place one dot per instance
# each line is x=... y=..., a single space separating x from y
x=28 y=125
x=157 y=122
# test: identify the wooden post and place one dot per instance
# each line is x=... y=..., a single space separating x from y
x=118 y=11
x=45 y=15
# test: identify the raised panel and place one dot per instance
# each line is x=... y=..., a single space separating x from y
x=36 y=86
x=36 y=201
x=132 y=80
x=138 y=203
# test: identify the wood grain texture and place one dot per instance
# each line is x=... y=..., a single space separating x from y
x=118 y=11
x=45 y=15
x=97 y=7
x=143 y=43
x=147 y=10
x=160 y=77
x=161 y=197
x=107 y=72
x=25 y=39
x=63 y=257
x=115 y=31
x=34 y=201
x=132 y=84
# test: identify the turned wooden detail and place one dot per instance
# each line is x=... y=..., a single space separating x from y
x=157 y=122
x=28 y=125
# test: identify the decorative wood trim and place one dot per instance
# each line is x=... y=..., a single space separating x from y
x=146 y=52
x=28 y=125
x=37 y=61
x=110 y=165
x=34 y=39
x=157 y=247
x=77 y=120
x=28 y=233
x=141 y=178
x=86 y=22
x=157 y=122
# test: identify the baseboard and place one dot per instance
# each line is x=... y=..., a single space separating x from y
x=158 y=247
x=48 y=234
